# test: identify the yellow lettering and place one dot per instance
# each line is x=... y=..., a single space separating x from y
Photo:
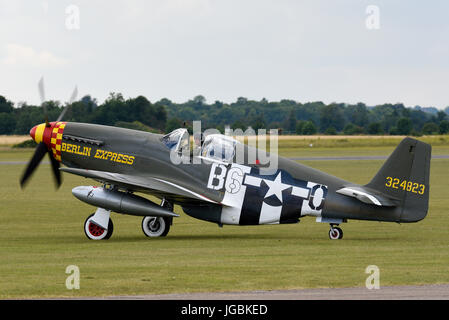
x=408 y=186
x=63 y=147
x=422 y=188
x=395 y=183
x=131 y=160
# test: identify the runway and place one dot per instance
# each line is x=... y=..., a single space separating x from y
x=425 y=292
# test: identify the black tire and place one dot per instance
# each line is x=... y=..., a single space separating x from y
x=335 y=233
x=341 y=233
x=154 y=227
x=110 y=229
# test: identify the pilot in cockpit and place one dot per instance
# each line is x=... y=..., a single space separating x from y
x=198 y=143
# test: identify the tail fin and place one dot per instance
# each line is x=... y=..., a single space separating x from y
x=405 y=177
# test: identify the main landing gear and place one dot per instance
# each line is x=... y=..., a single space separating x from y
x=157 y=226
x=99 y=226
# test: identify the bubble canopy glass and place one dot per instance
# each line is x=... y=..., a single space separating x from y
x=219 y=147
x=177 y=140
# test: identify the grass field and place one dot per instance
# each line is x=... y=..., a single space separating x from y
x=41 y=233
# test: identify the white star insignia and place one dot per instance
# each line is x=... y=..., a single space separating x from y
x=276 y=187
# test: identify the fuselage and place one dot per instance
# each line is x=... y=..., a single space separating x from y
x=234 y=193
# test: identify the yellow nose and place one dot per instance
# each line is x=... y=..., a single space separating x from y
x=37 y=133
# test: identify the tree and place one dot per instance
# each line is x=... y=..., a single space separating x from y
x=375 y=128
x=444 y=127
x=5 y=105
x=172 y=124
x=241 y=101
x=351 y=129
x=7 y=123
x=357 y=114
x=258 y=123
x=309 y=128
x=300 y=126
x=430 y=128
x=332 y=116
x=404 y=126
x=441 y=115
x=239 y=124
x=331 y=131
x=199 y=100
x=290 y=123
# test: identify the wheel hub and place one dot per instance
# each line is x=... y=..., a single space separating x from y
x=95 y=230
x=154 y=225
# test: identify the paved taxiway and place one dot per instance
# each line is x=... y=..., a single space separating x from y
x=425 y=292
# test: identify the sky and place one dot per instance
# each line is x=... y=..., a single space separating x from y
x=347 y=51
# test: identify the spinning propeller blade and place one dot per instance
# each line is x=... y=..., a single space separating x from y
x=42 y=148
x=38 y=155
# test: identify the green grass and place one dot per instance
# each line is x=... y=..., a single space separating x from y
x=41 y=233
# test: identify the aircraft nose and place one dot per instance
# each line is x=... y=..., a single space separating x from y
x=33 y=132
x=37 y=132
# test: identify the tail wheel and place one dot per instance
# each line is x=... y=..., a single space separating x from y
x=95 y=232
x=335 y=233
x=155 y=226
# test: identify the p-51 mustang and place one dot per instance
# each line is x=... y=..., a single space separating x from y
x=219 y=189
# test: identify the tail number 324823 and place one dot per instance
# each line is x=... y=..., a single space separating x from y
x=405 y=185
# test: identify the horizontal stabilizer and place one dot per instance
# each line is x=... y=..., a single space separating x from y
x=368 y=196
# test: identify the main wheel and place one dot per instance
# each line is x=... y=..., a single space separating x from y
x=95 y=232
x=155 y=226
x=335 y=233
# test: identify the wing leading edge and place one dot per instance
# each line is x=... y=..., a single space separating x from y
x=151 y=185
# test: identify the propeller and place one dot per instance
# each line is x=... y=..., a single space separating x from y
x=42 y=148
x=41 y=87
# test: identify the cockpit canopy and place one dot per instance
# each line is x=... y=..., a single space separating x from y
x=177 y=140
x=219 y=147
x=215 y=147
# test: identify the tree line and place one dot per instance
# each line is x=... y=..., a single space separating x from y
x=288 y=116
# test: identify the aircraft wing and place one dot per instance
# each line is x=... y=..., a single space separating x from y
x=367 y=195
x=154 y=186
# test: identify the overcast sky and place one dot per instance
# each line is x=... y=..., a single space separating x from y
x=330 y=51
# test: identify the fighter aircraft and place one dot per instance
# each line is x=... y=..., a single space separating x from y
x=219 y=189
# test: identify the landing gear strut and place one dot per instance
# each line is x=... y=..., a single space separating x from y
x=335 y=233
